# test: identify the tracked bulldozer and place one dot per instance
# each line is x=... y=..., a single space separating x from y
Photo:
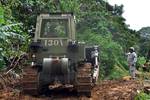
x=57 y=59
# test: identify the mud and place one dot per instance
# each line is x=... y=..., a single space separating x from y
x=105 y=90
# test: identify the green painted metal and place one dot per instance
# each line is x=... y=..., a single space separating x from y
x=54 y=33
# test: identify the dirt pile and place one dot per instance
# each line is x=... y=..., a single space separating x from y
x=116 y=90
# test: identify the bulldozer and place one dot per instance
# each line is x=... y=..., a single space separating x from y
x=57 y=59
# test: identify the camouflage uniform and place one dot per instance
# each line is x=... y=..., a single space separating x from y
x=132 y=58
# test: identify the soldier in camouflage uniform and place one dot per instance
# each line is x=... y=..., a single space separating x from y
x=132 y=59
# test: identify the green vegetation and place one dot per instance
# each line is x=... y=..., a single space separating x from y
x=142 y=96
x=117 y=72
x=144 y=40
x=97 y=22
x=2 y=63
x=13 y=39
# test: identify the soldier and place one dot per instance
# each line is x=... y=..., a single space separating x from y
x=132 y=58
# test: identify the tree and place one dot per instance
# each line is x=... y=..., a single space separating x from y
x=97 y=23
x=144 y=40
x=13 y=41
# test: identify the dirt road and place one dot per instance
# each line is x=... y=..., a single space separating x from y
x=105 y=90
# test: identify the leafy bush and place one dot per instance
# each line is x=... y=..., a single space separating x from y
x=142 y=96
x=117 y=72
x=140 y=62
x=13 y=40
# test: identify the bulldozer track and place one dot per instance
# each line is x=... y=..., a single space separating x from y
x=84 y=79
x=30 y=81
x=83 y=86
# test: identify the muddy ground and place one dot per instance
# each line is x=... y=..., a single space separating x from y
x=105 y=90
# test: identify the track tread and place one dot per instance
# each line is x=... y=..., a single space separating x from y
x=84 y=79
x=30 y=81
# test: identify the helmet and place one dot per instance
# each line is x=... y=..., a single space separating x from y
x=131 y=48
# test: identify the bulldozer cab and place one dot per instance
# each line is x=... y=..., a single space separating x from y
x=55 y=26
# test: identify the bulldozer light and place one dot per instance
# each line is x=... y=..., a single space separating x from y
x=33 y=56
